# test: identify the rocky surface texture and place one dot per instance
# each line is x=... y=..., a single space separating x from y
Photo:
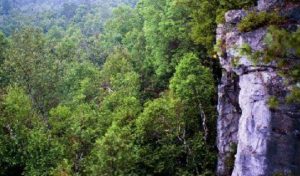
x=254 y=139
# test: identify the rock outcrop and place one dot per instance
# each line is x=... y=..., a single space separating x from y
x=253 y=138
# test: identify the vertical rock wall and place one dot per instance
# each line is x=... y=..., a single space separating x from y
x=267 y=140
x=228 y=121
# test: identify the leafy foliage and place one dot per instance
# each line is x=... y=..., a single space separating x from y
x=175 y=146
x=255 y=20
x=24 y=138
x=194 y=85
x=283 y=48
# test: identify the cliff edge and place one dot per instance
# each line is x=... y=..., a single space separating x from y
x=255 y=139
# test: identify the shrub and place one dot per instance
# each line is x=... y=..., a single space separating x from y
x=273 y=102
x=256 y=20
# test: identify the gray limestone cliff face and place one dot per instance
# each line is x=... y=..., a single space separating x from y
x=254 y=139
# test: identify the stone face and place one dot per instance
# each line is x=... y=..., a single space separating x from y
x=234 y=16
x=268 y=140
x=268 y=4
x=228 y=120
x=294 y=14
x=254 y=128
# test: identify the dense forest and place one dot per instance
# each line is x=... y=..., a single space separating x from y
x=109 y=87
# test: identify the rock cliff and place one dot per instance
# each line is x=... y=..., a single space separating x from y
x=253 y=138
